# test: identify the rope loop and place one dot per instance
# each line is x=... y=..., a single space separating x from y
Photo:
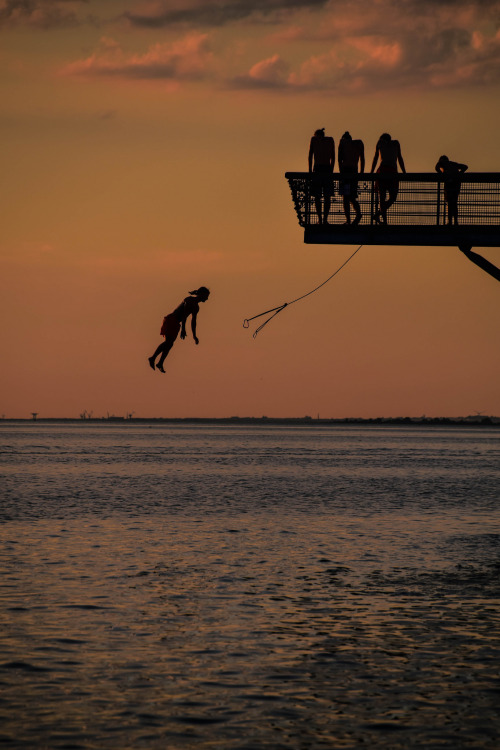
x=276 y=310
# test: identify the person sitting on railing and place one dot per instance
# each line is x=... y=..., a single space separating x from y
x=390 y=155
x=451 y=171
x=351 y=154
x=322 y=161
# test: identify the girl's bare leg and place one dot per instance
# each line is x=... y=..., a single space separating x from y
x=161 y=351
x=165 y=350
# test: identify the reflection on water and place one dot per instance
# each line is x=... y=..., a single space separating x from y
x=217 y=587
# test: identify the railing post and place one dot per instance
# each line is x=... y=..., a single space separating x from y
x=307 y=196
x=438 y=206
x=372 y=202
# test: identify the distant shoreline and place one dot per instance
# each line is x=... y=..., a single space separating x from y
x=474 y=421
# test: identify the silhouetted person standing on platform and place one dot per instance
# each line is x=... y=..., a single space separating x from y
x=176 y=322
x=389 y=152
x=351 y=155
x=451 y=171
x=321 y=163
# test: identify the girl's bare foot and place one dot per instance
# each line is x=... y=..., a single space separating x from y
x=160 y=368
x=151 y=362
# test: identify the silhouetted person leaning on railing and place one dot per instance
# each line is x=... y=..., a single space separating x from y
x=321 y=163
x=451 y=171
x=176 y=322
x=351 y=155
x=387 y=184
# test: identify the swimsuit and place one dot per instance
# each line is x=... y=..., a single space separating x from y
x=172 y=323
x=388 y=177
x=349 y=182
x=170 y=326
x=322 y=181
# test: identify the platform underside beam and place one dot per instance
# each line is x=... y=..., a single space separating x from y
x=436 y=236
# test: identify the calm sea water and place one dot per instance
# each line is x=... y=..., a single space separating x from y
x=254 y=587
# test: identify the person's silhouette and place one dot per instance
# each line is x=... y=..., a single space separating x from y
x=451 y=171
x=321 y=162
x=389 y=152
x=176 y=322
x=351 y=155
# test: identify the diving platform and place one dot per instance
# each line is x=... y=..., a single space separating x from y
x=418 y=216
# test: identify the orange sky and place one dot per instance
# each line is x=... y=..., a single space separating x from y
x=144 y=147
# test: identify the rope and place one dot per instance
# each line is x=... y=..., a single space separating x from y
x=276 y=310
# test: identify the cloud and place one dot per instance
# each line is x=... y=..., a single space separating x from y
x=270 y=73
x=481 y=65
x=41 y=14
x=331 y=46
x=382 y=44
x=189 y=58
x=215 y=13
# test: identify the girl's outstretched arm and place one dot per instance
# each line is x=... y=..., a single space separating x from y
x=193 y=327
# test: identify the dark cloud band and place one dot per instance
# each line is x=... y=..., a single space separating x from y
x=217 y=14
x=42 y=14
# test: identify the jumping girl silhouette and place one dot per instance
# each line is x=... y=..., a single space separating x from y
x=176 y=322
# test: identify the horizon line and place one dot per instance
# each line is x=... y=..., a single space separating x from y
x=470 y=419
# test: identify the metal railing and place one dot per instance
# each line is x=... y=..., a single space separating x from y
x=420 y=202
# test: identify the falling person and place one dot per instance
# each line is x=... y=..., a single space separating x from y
x=176 y=322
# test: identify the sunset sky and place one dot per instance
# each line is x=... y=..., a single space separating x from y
x=144 y=146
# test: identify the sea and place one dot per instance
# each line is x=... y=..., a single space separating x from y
x=246 y=586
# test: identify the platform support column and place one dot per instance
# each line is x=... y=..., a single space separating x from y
x=480 y=261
